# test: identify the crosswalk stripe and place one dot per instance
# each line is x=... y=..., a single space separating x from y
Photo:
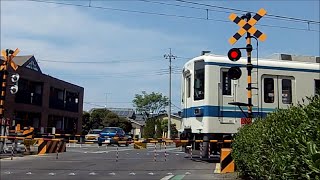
x=167 y=177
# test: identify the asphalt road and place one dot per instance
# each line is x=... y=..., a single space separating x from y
x=93 y=162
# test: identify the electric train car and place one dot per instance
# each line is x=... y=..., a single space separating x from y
x=207 y=91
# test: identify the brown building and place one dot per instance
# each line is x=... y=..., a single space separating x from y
x=43 y=101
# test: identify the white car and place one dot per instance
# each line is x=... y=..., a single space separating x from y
x=93 y=135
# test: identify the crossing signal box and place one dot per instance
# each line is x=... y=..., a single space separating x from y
x=234 y=54
x=234 y=73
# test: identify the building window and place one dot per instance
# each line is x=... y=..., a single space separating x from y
x=268 y=90
x=226 y=84
x=199 y=80
x=286 y=91
x=317 y=86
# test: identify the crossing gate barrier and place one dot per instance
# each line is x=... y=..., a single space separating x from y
x=51 y=146
x=139 y=145
x=181 y=143
x=28 y=133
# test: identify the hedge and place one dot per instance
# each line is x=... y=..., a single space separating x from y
x=284 y=145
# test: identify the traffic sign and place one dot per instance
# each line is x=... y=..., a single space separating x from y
x=247 y=26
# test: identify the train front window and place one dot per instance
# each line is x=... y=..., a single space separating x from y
x=199 y=80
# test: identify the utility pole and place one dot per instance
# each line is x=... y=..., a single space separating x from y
x=106 y=100
x=170 y=57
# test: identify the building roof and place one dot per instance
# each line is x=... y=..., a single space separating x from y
x=124 y=112
x=165 y=114
x=27 y=61
x=140 y=123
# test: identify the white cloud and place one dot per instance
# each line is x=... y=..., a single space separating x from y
x=71 y=34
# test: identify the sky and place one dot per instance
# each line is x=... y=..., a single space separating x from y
x=115 y=48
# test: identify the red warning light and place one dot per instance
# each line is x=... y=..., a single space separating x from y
x=234 y=54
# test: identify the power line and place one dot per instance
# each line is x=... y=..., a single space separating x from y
x=239 y=10
x=187 y=17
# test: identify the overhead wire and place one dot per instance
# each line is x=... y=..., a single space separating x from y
x=244 y=11
x=193 y=17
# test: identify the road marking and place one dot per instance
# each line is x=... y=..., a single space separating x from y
x=52 y=174
x=72 y=174
x=92 y=173
x=151 y=173
x=29 y=173
x=188 y=173
x=132 y=173
x=167 y=177
x=217 y=169
x=178 y=177
x=98 y=152
x=7 y=172
x=112 y=173
x=163 y=150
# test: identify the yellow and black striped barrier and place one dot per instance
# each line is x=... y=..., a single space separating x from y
x=51 y=146
x=226 y=162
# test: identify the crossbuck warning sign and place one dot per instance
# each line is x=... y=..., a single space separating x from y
x=247 y=26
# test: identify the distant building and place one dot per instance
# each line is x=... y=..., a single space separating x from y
x=43 y=101
x=137 y=121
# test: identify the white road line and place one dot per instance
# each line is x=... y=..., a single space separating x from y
x=167 y=177
x=110 y=151
x=217 y=169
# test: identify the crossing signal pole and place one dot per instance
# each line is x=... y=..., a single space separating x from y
x=234 y=54
x=8 y=56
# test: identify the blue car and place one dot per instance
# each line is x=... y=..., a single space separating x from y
x=111 y=135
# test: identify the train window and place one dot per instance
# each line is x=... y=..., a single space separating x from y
x=317 y=86
x=198 y=80
x=268 y=90
x=226 y=84
x=188 y=86
x=286 y=91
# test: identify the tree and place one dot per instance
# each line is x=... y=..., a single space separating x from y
x=97 y=116
x=150 y=103
x=86 y=122
x=174 y=131
x=149 y=130
x=125 y=124
x=113 y=120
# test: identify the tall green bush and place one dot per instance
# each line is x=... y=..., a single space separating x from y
x=284 y=145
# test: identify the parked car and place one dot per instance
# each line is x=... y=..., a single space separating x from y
x=111 y=135
x=93 y=135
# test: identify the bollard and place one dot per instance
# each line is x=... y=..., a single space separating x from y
x=165 y=151
x=201 y=149
x=191 y=152
x=57 y=150
x=155 y=152
x=117 y=154
x=209 y=150
x=12 y=151
x=80 y=142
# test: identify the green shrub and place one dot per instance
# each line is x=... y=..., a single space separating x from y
x=284 y=145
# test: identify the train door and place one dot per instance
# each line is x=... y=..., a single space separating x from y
x=277 y=92
x=227 y=94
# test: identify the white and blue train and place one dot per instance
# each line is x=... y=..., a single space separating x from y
x=207 y=91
